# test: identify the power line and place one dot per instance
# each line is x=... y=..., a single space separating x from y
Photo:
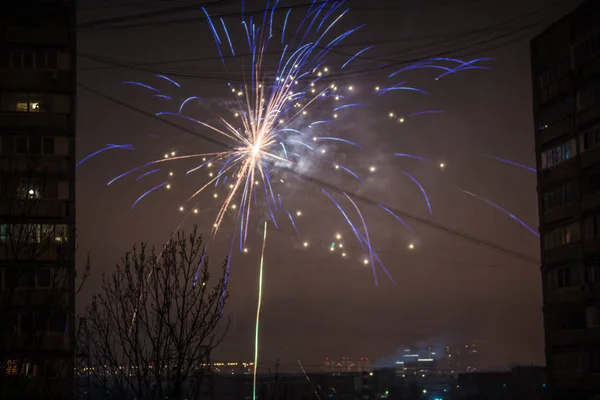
x=318 y=182
x=97 y=25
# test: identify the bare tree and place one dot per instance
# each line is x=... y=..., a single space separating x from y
x=37 y=280
x=156 y=321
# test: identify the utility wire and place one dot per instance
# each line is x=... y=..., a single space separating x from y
x=320 y=183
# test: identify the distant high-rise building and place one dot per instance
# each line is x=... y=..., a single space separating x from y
x=565 y=62
x=37 y=198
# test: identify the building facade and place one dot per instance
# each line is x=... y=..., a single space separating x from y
x=566 y=94
x=37 y=198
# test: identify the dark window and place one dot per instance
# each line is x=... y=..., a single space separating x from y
x=35 y=145
x=595 y=367
x=7 y=145
x=592 y=226
x=21 y=146
x=562 y=236
x=57 y=322
x=48 y=145
x=4 y=59
x=590 y=137
x=12 y=277
x=587 y=49
x=554 y=113
x=588 y=95
x=40 y=59
x=559 y=195
x=27 y=278
x=9 y=323
x=27 y=322
x=28 y=60
x=16 y=60
x=52 y=60
x=560 y=277
x=592 y=270
x=44 y=278
x=554 y=73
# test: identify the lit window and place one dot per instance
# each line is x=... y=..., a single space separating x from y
x=61 y=233
x=11 y=367
x=561 y=236
x=22 y=106
x=559 y=153
x=28 y=190
x=3 y=233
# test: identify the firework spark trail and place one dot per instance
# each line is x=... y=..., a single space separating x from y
x=260 y=289
x=425 y=112
x=510 y=162
x=168 y=79
x=496 y=206
x=147 y=173
x=309 y=381
x=148 y=192
x=141 y=85
x=107 y=147
x=410 y=156
x=338 y=140
x=396 y=217
x=412 y=178
x=336 y=165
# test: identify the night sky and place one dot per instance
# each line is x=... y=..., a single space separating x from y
x=315 y=303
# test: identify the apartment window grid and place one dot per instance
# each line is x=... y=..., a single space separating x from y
x=588 y=95
x=559 y=153
x=587 y=48
x=31 y=145
x=559 y=195
x=554 y=113
x=29 y=59
x=559 y=277
x=590 y=137
x=592 y=226
x=35 y=277
x=562 y=236
x=33 y=233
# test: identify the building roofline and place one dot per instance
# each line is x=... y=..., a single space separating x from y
x=561 y=19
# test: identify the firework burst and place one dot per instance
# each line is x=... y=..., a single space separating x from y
x=267 y=132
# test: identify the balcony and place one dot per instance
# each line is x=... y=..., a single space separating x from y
x=571 y=337
x=588 y=115
x=35 y=297
x=37 y=81
x=555 y=131
x=573 y=294
x=564 y=212
x=41 y=252
x=560 y=254
x=35 y=208
x=44 y=165
x=568 y=169
x=12 y=120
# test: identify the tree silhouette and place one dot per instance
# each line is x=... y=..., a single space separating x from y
x=155 y=322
